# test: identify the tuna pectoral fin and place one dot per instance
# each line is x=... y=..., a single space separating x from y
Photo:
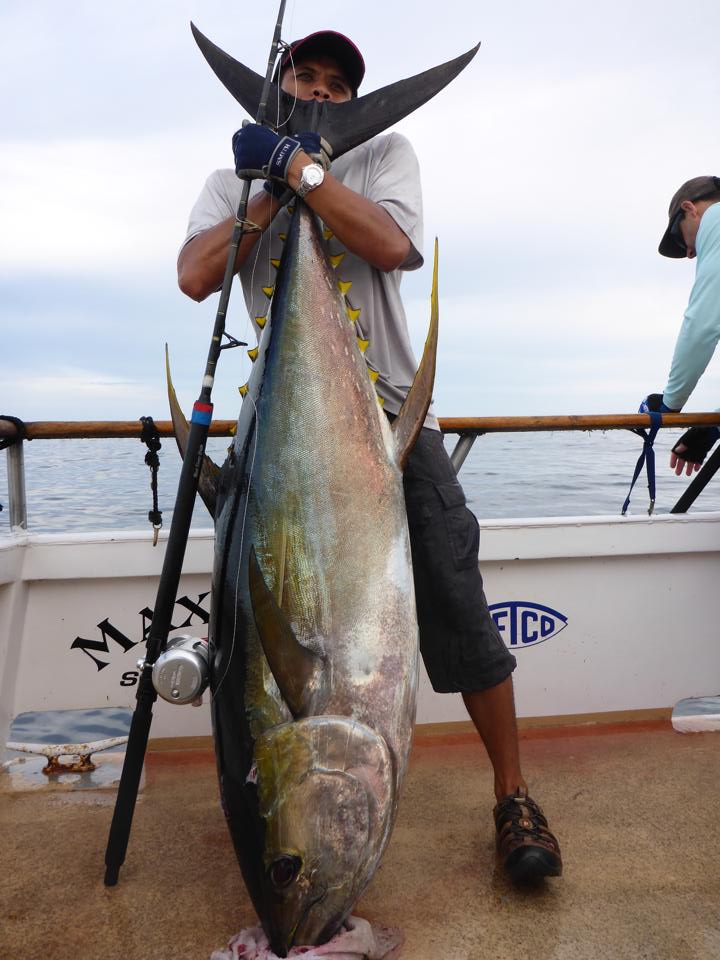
x=210 y=471
x=412 y=415
x=298 y=671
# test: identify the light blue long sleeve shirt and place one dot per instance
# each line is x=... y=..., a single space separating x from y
x=700 y=330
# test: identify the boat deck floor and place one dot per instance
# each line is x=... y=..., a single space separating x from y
x=636 y=809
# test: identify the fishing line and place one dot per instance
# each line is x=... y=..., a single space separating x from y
x=248 y=396
x=295 y=97
x=253 y=291
x=215 y=692
x=291 y=29
x=286 y=46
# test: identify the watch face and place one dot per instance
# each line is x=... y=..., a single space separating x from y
x=313 y=175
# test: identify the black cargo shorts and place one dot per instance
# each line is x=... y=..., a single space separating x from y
x=459 y=641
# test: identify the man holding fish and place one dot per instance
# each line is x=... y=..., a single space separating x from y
x=370 y=206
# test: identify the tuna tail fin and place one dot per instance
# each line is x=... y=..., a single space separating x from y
x=342 y=125
x=412 y=414
x=210 y=471
x=298 y=671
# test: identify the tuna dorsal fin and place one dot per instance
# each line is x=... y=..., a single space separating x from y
x=342 y=125
x=412 y=414
x=298 y=671
x=210 y=471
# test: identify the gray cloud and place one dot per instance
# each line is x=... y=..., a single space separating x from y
x=547 y=168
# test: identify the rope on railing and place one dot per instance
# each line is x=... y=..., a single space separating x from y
x=15 y=431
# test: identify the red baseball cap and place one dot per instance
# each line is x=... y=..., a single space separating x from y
x=331 y=44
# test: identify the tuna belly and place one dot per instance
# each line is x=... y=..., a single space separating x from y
x=334 y=549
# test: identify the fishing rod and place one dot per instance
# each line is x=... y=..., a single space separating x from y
x=179 y=529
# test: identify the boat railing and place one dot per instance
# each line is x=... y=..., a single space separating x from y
x=14 y=433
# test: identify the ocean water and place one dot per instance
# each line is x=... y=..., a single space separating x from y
x=81 y=485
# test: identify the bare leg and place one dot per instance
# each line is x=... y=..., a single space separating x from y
x=493 y=713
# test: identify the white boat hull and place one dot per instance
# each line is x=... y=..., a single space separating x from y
x=603 y=614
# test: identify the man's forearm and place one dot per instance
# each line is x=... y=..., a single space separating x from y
x=364 y=227
x=693 y=351
x=202 y=261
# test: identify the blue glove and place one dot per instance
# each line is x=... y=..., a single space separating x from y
x=279 y=191
x=653 y=403
x=260 y=152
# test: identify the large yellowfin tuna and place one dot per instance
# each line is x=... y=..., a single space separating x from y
x=313 y=636
x=314 y=633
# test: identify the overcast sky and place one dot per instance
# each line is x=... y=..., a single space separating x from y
x=547 y=170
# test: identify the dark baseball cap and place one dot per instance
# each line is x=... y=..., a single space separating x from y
x=699 y=188
x=327 y=43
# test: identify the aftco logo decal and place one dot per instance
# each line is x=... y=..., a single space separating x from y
x=523 y=624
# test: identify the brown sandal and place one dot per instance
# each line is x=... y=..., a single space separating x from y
x=526 y=846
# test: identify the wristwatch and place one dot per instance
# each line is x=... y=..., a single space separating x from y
x=311 y=177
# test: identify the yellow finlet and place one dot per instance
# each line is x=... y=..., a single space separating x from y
x=283 y=237
x=344 y=286
x=353 y=314
x=243 y=390
x=381 y=400
x=261 y=321
x=374 y=374
x=337 y=260
x=233 y=431
x=363 y=344
x=253 y=354
x=275 y=263
x=268 y=291
x=328 y=234
x=291 y=210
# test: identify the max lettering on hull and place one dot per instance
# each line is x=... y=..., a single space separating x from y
x=100 y=652
x=525 y=624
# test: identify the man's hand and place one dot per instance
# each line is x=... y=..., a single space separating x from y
x=261 y=153
x=692 y=448
x=678 y=464
x=653 y=403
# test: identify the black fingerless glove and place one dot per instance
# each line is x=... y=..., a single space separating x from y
x=697 y=442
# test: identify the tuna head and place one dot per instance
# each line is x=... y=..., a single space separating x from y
x=326 y=794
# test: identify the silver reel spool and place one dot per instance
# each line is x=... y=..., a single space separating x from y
x=180 y=673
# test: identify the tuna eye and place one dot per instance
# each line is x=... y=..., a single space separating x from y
x=284 y=870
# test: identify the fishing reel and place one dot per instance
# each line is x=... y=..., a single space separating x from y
x=180 y=673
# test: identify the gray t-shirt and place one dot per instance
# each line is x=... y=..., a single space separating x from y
x=385 y=170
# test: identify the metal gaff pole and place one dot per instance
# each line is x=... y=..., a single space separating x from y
x=699 y=483
x=177 y=538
